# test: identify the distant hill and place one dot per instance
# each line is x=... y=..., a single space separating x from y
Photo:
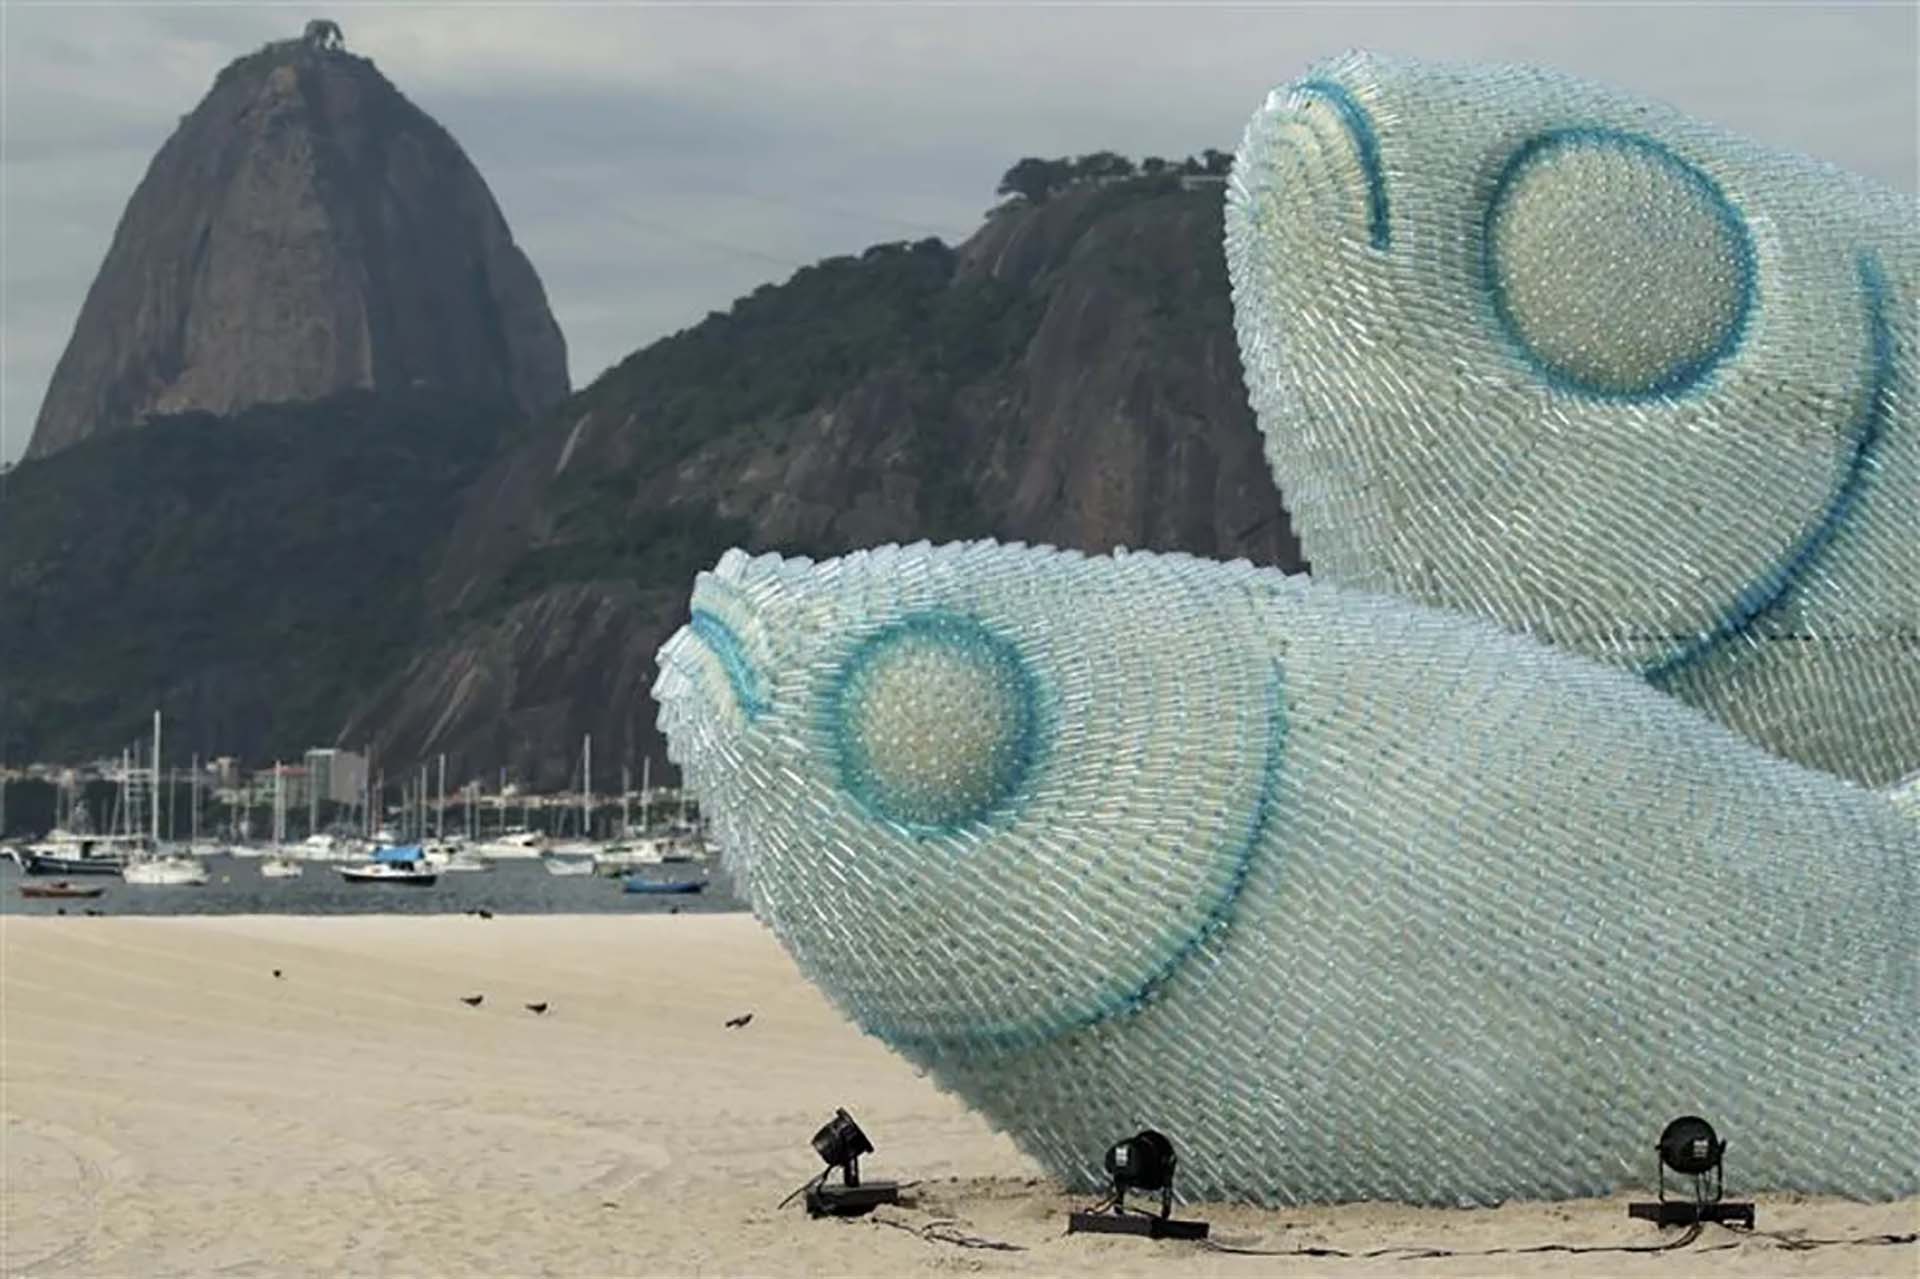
x=305 y=230
x=254 y=577
x=1069 y=376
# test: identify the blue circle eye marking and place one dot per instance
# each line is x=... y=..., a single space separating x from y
x=1868 y=430
x=1686 y=370
x=934 y=722
x=748 y=690
x=1014 y=1035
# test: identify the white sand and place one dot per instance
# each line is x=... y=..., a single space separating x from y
x=172 y=1109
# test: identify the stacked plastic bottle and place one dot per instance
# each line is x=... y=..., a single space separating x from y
x=1527 y=347
x=1351 y=897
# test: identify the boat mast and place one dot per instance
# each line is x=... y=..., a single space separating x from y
x=586 y=787
x=156 y=781
x=193 y=802
x=646 y=794
x=279 y=806
x=626 y=800
x=440 y=813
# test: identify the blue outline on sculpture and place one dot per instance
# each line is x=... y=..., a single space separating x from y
x=1245 y=854
x=1869 y=430
x=949 y=631
x=1366 y=142
x=1681 y=377
x=731 y=654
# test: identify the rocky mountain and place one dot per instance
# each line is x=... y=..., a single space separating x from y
x=427 y=573
x=305 y=230
x=1069 y=375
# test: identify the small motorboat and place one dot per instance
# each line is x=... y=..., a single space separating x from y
x=281 y=868
x=568 y=865
x=388 y=873
x=407 y=865
x=60 y=888
x=636 y=884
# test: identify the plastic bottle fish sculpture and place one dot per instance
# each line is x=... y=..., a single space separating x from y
x=1527 y=347
x=1352 y=897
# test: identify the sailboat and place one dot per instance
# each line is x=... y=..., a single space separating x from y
x=576 y=858
x=155 y=869
x=279 y=865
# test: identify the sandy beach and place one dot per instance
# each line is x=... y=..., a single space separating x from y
x=173 y=1108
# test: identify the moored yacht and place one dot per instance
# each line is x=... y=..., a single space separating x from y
x=406 y=865
x=63 y=852
x=168 y=871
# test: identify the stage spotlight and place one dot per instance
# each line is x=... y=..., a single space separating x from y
x=1691 y=1148
x=840 y=1143
x=1145 y=1161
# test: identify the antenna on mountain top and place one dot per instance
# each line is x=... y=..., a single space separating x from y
x=323 y=34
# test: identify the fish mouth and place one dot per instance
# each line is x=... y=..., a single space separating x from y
x=1311 y=164
x=1357 y=124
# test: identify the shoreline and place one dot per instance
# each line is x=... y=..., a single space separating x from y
x=172 y=1108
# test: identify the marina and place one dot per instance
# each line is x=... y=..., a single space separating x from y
x=256 y=885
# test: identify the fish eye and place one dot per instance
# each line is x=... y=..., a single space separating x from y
x=1616 y=268
x=934 y=721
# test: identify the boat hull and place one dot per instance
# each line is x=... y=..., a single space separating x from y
x=407 y=879
x=661 y=886
x=59 y=890
x=48 y=864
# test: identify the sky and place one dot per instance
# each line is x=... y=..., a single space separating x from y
x=658 y=161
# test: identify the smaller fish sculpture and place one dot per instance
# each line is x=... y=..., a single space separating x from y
x=1531 y=348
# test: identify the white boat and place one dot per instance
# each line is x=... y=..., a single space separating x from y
x=416 y=873
x=629 y=854
x=452 y=858
x=169 y=871
x=514 y=843
x=280 y=867
x=581 y=865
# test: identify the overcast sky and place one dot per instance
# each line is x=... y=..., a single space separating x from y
x=656 y=162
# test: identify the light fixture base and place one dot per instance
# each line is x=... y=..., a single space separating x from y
x=1681 y=1213
x=1108 y=1223
x=851 y=1201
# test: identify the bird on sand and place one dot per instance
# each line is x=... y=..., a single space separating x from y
x=741 y=1020
x=472 y=1001
x=537 y=1009
x=277 y=974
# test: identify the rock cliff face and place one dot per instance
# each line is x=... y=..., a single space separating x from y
x=305 y=230
x=1068 y=376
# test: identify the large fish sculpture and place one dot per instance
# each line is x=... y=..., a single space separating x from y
x=1353 y=898
x=1527 y=347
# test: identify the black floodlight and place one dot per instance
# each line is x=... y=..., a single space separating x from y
x=1145 y=1161
x=840 y=1143
x=1691 y=1148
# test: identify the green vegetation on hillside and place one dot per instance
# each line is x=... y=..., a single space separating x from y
x=777 y=354
x=1036 y=179
x=250 y=576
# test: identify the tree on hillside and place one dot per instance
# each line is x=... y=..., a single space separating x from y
x=1103 y=164
x=1034 y=178
x=1218 y=162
